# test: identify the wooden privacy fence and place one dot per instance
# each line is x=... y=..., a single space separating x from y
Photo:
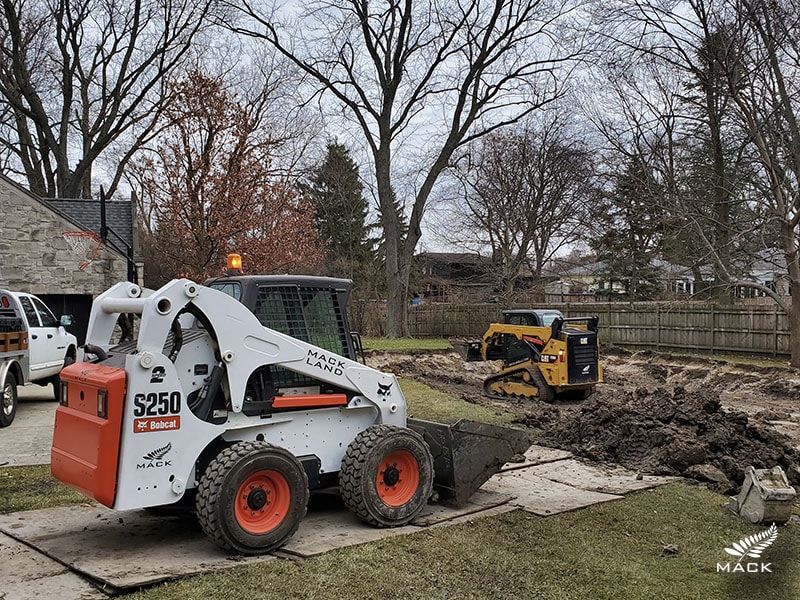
x=660 y=326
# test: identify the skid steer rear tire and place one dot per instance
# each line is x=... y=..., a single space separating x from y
x=252 y=497
x=386 y=476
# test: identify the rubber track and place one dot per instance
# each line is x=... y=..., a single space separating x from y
x=535 y=374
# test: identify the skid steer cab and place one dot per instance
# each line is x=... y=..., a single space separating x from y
x=544 y=355
x=243 y=396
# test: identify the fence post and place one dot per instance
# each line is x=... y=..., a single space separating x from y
x=713 y=327
x=658 y=327
x=775 y=333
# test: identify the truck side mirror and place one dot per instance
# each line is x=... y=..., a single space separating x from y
x=66 y=320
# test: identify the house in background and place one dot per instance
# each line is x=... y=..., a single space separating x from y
x=35 y=257
x=591 y=281
x=452 y=277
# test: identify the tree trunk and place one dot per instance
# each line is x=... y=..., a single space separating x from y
x=793 y=268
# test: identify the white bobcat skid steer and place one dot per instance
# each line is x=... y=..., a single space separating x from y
x=208 y=400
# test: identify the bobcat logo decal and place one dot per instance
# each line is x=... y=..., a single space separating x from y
x=384 y=391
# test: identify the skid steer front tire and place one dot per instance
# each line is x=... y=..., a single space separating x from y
x=386 y=475
x=252 y=497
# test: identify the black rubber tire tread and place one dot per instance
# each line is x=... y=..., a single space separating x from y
x=220 y=482
x=546 y=393
x=360 y=469
x=11 y=386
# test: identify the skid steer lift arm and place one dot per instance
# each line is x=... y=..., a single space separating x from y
x=243 y=343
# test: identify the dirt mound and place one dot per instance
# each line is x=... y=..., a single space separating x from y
x=668 y=432
x=655 y=414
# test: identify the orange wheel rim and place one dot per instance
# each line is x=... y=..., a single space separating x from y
x=262 y=502
x=398 y=478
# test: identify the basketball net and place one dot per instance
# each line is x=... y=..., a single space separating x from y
x=81 y=243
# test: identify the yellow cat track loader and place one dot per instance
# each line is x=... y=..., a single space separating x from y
x=243 y=396
x=544 y=356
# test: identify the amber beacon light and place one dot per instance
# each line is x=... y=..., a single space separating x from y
x=234 y=263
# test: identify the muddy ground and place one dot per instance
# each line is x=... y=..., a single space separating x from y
x=655 y=414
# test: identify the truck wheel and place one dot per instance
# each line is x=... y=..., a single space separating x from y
x=8 y=408
x=386 y=476
x=252 y=497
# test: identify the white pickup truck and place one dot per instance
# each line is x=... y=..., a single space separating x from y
x=34 y=347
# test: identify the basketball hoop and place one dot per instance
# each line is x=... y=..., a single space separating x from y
x=81 y=243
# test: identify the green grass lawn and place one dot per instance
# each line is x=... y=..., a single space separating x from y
x=406 y=344
x=608 y=551
x=660 y=544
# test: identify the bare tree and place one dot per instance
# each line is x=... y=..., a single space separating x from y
x=427 y=77
x=525 y=197
x=211 y=190
x=742 y=56
x=685 y=117
x=760 y=71
x=79 y=75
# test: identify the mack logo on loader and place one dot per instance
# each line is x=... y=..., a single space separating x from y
x=155 y=457
x=329 y=364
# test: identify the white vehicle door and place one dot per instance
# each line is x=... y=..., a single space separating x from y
x=46 y=343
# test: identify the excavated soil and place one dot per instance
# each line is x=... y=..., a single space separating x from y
x=655 y=414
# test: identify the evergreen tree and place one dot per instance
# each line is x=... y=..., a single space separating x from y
x=342 y=214
x=631 y=219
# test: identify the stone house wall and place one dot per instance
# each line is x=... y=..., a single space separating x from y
x=35 y=258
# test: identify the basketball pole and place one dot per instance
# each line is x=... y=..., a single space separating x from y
x=105 y=230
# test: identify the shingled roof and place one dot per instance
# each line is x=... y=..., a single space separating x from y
x=86 y=213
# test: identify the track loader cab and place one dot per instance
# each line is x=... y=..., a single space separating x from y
x=544 y=355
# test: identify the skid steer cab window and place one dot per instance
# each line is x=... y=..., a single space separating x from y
x=309 y=314
x=231 y=288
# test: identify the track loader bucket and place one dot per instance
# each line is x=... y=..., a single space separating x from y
x=467 y=453
x=470 y=351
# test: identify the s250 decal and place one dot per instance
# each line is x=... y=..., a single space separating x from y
x=157 y=404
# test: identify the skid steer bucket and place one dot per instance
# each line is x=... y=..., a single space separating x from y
x=467 y=453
